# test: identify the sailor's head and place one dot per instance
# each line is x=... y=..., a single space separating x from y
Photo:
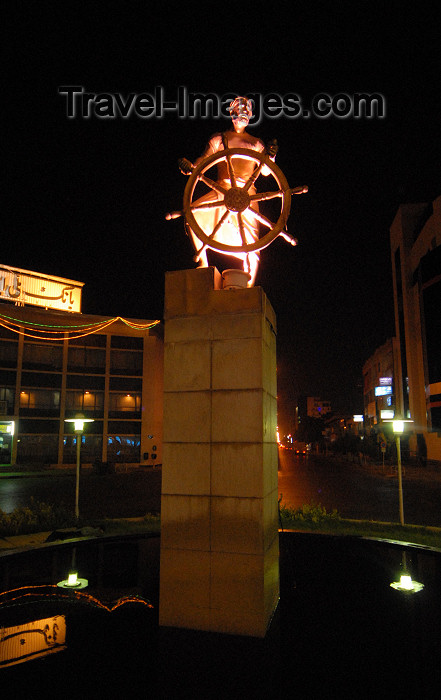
x=241 y=111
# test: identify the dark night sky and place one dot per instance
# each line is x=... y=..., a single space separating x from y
x=86 y=199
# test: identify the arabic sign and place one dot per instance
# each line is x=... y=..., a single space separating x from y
x=26 y=287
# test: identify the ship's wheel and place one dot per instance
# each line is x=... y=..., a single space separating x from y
x=237 y=202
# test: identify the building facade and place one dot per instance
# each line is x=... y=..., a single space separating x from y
x=415 y=238
x=316 y=407
x=381 y=383
x=56 y=364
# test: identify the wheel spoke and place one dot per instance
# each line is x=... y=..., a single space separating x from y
x=231 y=171
x=207 y=205
x=220 y=223
x=257 y=215
x=241 y=229
x=253 y=177
x=212 y=184
x=263 y=196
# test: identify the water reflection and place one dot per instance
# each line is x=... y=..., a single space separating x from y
x=338 y=626
x=32 y=640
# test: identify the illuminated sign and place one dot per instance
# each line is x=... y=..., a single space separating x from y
x=358 y=418
x=386 y=414
x=26 y=287
x=383 y=390
x=385 y=381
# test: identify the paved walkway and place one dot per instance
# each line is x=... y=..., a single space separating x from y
x=9 y=472
x=431 y=472
x=37 y=539
x=23 y=541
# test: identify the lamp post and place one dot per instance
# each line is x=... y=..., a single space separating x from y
x=398 y=428
x=78 y=422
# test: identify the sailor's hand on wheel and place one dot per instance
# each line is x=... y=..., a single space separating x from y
x=185 y=166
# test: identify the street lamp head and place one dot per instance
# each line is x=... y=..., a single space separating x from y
x=398 y=426
x=398 y=423
x=78 y=422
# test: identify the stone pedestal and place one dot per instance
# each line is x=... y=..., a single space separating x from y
x=219 y=519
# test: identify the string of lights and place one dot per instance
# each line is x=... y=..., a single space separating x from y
x=45 y=331
x=138 y=326
x=54 y=593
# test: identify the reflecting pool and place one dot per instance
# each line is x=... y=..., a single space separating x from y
x=340 y=629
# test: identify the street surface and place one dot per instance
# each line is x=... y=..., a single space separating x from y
x=108 y=496
x=367 y=492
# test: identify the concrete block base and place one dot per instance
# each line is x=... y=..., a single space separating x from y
x=219 y=520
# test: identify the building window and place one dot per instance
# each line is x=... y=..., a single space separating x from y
x=7 y=399
x=40 y=400
x=123 y=448
x=8 y=354
x=91 y=448
x=41 y=379
x=89 y=360
x=126 y=362
x=124 y=403
x=34 y=449
x=127 y=342
x=88 y=401
x=42 y=356
x=126 y=385
x=6 y=333
x=37 y=426
x=85 y=382
x=93 y=340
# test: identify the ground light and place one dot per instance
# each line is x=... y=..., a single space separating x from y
x=73 y=582
x=405 y=584
x=78 y=422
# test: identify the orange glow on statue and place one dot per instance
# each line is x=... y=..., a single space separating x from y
x=227 y=217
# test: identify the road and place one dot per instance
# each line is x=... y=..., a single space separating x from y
x=368 y=493
x=109 y=496
x=356 y=492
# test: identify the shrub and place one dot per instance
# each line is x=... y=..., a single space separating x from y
x=37 y=517
x=309 y=514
